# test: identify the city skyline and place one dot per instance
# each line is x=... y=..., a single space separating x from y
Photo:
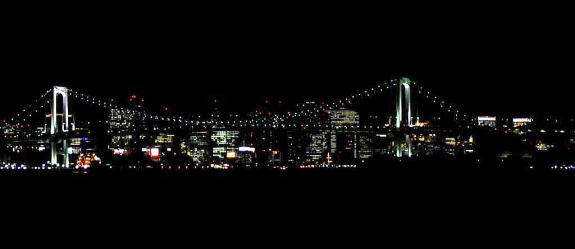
x=395 y=119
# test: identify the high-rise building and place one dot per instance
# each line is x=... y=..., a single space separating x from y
x=319 y=144
x=224 y=144
x=198 y=147
x=365 y=145
x=125 y=128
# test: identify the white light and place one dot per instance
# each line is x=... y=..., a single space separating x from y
x=486 y=118
x=522 y=120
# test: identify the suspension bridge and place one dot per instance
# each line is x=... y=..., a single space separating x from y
x=405 y=113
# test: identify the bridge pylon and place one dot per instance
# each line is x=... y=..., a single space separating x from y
x=403 y=118
x=61 y=127
x=404 y=93
x=65 y=124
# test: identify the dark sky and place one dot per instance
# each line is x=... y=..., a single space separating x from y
x=487 y=59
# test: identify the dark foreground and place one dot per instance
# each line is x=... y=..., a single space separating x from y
x=422 y=179
x=410 y=202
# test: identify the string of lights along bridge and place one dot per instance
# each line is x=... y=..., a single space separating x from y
x=280 y=120
x=66 y=128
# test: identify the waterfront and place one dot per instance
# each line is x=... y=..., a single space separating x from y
x=352 y=132
x=438 y=167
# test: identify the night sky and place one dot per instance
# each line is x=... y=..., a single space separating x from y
x=489 y=61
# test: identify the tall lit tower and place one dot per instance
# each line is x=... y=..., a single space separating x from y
x=404 y=92
x=54 y=127
x=63 y=127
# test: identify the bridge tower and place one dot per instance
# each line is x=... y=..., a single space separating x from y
x=54 y=127
x=403 y=144
x=404 y=93
x=59 y=128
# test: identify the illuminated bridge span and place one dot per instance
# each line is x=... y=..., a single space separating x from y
x=399 y=107
x=404 y=114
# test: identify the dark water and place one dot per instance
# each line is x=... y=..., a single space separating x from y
x=426 y=199
x=443 y=177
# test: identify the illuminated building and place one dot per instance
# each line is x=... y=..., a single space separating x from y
x=541 y=146
x=365 y=145
x=224 y=144
x=9 y=133
x=343 y=117
x=487 y=121
x=128 y=129
x=450 y=141
x=87 y=160
x=265 y=142
x=165 y=141
x=318 y=146
x=122 y=128
x=246 y=155
x=154 y=153
x=275 y=157
x=346 y=150
x=198 y=147
x=521 y=122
